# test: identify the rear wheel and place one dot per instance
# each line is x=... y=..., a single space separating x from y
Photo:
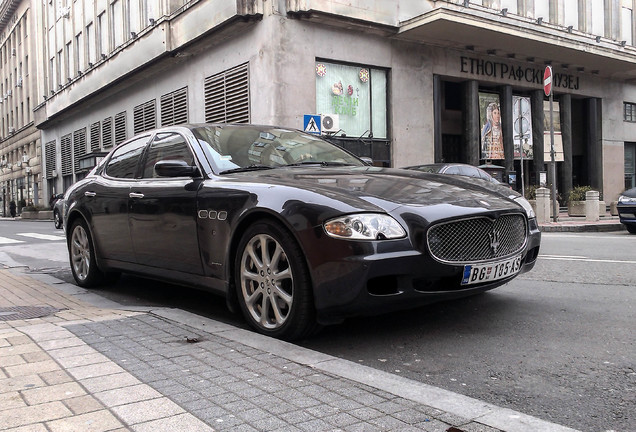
x=57 y=219
x=82 y=256
x=631 y=228
x=273 y=284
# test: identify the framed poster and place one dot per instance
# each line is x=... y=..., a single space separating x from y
x=558 y=140
x=491 y=132
x=522 y=127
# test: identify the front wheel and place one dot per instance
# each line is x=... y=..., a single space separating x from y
x=57 y=219
x=631 y=228
x=82 y=256
x=273 y=283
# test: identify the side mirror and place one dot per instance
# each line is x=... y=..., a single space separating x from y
x=367 y=160
x=175 y=168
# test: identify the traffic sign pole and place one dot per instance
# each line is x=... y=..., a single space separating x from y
x=547 y=89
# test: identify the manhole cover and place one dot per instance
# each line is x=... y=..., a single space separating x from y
x=26 y=312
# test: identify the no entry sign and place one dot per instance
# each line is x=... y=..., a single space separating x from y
x=547 y=80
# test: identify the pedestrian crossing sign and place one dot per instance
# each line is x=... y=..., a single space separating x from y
x=311 y=124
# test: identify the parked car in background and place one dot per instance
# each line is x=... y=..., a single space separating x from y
x=294 y=231
x=58 y=211
x=627 y=209
x=455 y=169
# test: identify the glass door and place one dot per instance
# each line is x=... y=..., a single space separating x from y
x=630 y=165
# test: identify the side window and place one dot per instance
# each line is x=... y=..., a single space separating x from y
x=123 y=163
x=452 y=170
x=166 y=146
x=469 y=171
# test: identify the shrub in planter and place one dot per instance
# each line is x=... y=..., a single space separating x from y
x=576 y=201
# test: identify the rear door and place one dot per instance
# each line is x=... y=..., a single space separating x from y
x=107 y=201
x=163 y=211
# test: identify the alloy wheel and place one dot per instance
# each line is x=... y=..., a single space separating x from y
x=80 y=252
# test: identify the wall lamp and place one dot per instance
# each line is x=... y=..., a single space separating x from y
x=570 y=29
x=466 y=3
x=623 y=43
x=133 y=35
x=504 y=11
x=598 y=39
x=540 y=20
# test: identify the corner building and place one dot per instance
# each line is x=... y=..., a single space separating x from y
x=401 y=81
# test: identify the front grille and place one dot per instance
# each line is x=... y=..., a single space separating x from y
x=477 y=239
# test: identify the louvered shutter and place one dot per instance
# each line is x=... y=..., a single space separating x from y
x=95 y=145
x=120 y=128
x=79 y=146
x=227 y=96
x=49 y=154
x=107 y=132
x=145 y=117
x=67 y=155
x=174 y=107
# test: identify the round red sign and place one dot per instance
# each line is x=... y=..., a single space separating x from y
x=547 y=80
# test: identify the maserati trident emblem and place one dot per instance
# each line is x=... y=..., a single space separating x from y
x=494 y=241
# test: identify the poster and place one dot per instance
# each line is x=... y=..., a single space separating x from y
x=558 y=141
x=522 y=126
x=490 y=121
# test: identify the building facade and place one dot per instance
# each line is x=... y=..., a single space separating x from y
x=20 y=148
x=402 y=82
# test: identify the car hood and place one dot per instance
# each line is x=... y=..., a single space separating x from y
x=388 y=189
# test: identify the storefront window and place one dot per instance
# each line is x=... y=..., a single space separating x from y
x=356 y=94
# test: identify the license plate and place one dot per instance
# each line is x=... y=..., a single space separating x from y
x=480 y=273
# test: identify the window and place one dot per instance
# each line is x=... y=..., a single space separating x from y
x=227 y=96
x=598 y=18
x=145 y=117
x=120 y=128
x=79 y=54
x=116 y=24
x=166 y=146
x=68 y=59
x=174 y=107
x=629 y=112
x=124 y=161
x=90 y=43
x=626 y=22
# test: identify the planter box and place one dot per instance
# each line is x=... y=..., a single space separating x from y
x=533 y=203
x=38 y=215
x=577 y=208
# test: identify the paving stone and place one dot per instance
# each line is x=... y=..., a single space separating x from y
x=52 y=393
x=38 y=427
x=12 y=360
x=110 y=382
x=31 y=368
x=125 y=395
x=182 y=422
x=56 y=377
x=95 y=370
x=145 y=411
x=34 y=414
x=97 y=421
x=20 y=383
x=83 y=404
x=10 y=401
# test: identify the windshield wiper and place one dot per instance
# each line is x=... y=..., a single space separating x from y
x=253 y=167
x=321 y=163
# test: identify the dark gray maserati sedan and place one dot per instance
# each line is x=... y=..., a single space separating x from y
x=291 y=229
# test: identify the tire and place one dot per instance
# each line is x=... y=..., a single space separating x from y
x=273 y=285
x=82 y=256
x=57 y=219
x=631 y=228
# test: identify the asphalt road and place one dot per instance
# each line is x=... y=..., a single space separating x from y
x=557 y=343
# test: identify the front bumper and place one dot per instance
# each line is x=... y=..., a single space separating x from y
x=380 y=277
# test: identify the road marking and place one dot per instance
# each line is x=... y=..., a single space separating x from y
x=41 y=236
x=582 y=258
x=6 y=240
x=590 y=235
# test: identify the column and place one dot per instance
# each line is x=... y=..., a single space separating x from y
x=505 y=104
x=594 y=143
x=536 y=106
x=437 y=118
x=565 y=180
x=471 y=122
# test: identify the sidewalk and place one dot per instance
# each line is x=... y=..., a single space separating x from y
x=566 y=223
x=73 y=361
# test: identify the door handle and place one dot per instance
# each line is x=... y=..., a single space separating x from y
x=89 y=194
x=135 y=195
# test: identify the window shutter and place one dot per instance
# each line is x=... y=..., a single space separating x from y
x=107 y=132
x=95 y=137
x=120 y=128
x=227 y=96
x=79 y=146
x=49 y=154
x=145 y=117
x=67 y=155
x=174 y=107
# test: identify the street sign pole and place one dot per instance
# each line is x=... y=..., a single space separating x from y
x=547 y=89
x=522 y=134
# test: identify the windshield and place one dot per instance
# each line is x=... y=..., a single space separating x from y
x=236 y=147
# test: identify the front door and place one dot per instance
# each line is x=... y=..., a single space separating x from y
x=163 y=211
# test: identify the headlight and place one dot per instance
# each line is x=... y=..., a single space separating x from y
x=626 y=200
x=365 y=226
x=526 y=206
